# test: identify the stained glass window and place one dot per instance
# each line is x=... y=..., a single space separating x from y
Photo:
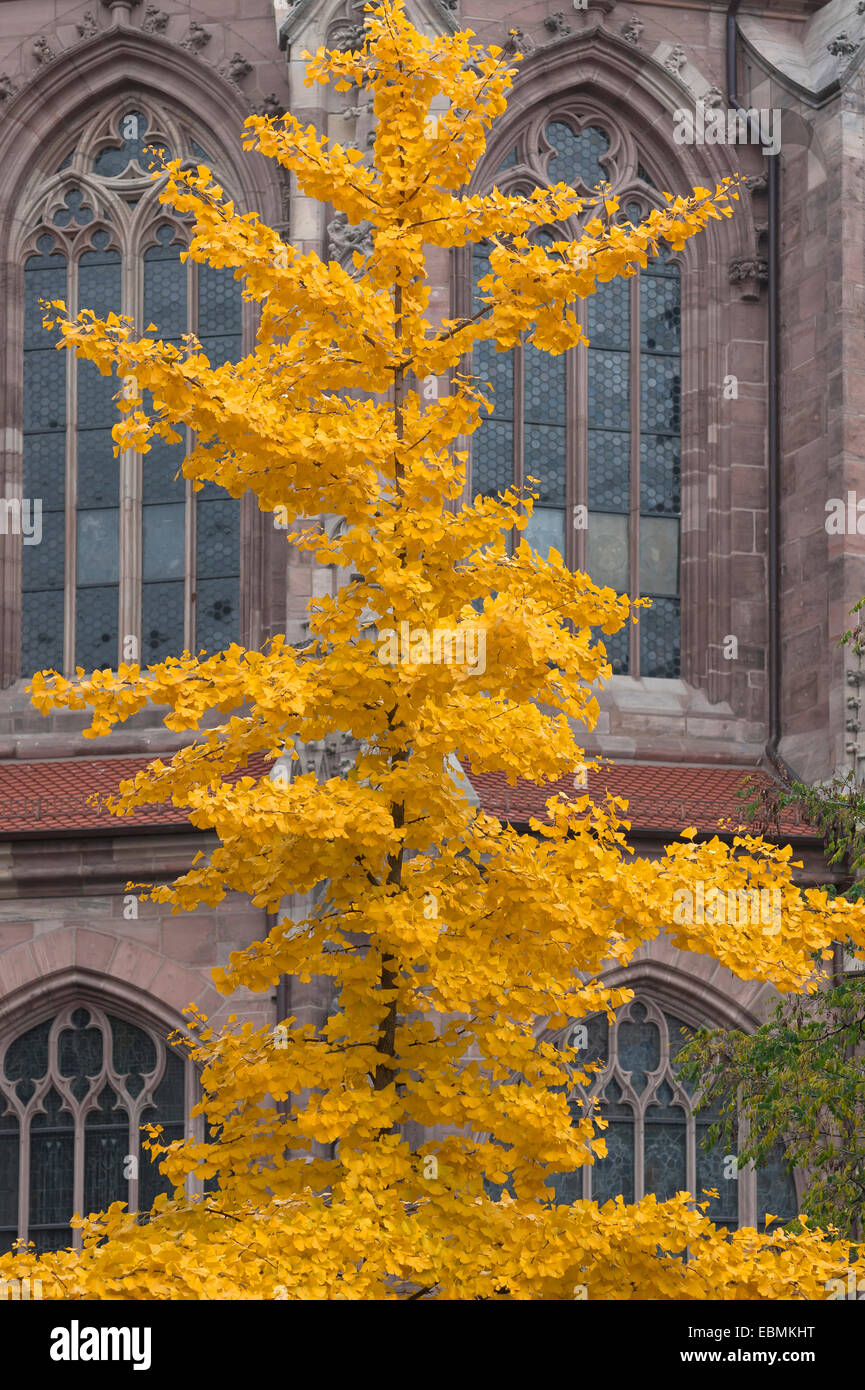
x=145 y=566
x=74 y=1091
x=599 y=427
x=656 y=1136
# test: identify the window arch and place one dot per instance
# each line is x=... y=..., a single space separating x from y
x=74 y=1090
x=133 y=563
x=655 y=1135
x=599 y=427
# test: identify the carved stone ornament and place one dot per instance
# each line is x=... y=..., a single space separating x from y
x=272 y=106
x=676 y=60
x=155 y=21
x=713 y=99
x=196 y=38
x=518 y=41
x=235 y=68
x=557 y=24
x=843 y=48
x=7 y=87
x=755 y=183
x=87 y=26
x=750 y=272
x=44 y=52
x=343 y=240
x=632 y=29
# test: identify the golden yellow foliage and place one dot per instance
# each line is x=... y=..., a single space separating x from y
x=448 y=937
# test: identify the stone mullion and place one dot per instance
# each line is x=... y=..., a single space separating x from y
x=190 y=587
x=129 y=566
x=581 y=464
x=634 y=367
x=70 y=558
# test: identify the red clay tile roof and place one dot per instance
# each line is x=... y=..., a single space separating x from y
x=43 y=797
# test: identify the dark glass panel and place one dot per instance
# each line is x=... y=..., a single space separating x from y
x=664 y=1146
x=75 y=210
x=98 y=470
x=614 y=1175
x=639 y=1047
x=164 y=540
x=98 y=546
x=659 y=555
x=42 y=564
x=616 y=645
x=576 y=156
x=96 y=627
x=220 y=300
x=776 y=1191
x=218 y=613
x=52 y=1145
x=660 y=471
x=608 y=316
x=492 y=458
x=80 y=1054
x=106 y=1144
x=134 y=139
x=27 y=1059
x=158 y=468
x=609 y=390
x=44 y=389
x=9 y=1177
x=42 y=631
x=660 y=316
x=133 y=1053
x=99 y=286
x=660 y=394
x=659 y=639
x=169 y=1111
x=165 y=286
x=162 y=620
x=217 y=527
x=609 y=470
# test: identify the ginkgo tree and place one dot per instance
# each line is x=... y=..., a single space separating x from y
x=453 y=943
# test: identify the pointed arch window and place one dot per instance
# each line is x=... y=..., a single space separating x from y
x=598 y=427
x=133 y=563
x=74 y=1090
x=655 y=1135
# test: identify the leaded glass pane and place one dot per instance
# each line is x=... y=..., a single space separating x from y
x=42 y=631
x=42 y=564
x=659 y=639
x=660 y=394
x=714 y=1170
x=492 y=458
x=614 y=1175
x=659 y=555
x=544 y=460
x=158 y=468
x=220 y=350
x=220 y=299
x=44 y=390
x=616 y=645
x=27 y=1059
x=576 y=156
x=217 y=618
x=169 y=1111
x=776 y=1191
x=497 y=368
x=660 y=318
x=660 y=468
x=639 y=1047
x=98 y=546
x=45 y=469
x=217 y=538
x=543 y=387
x=80 y=1054
x=165 y=286
x=546 y=530
x=664 y=1146
x=607 y=550
x=76 y=211
x=133 y=1053
x=99 y=285
x=609 y=389
x=162 y=620
x=106 y=1144
x=9 y=1176
x=608 y=316
x=165 y=540
x=678 y=1035
x=98 y=470
x=134 y=140
x=609 y=470
x=96 y=627
x=52 y=1154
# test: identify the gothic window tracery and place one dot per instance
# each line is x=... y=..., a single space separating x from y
x=133 y=564
x=655 y=1132
x=598 y=427
x=74 y=1090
